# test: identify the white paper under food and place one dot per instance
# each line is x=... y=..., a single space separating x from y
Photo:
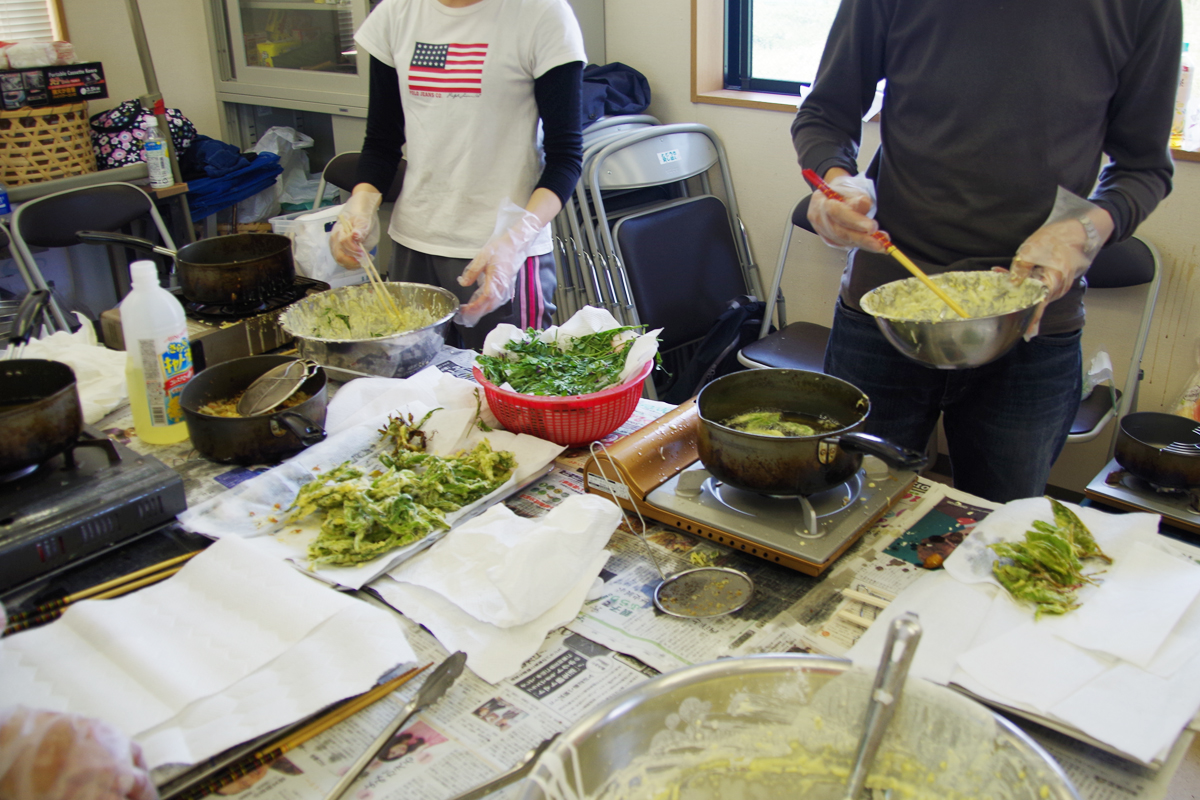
x=256 y=510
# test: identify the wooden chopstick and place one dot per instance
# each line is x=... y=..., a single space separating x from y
x=866 y=599
x=260 y=758
x=891 y=249
x=48 y=612
x=377 y=283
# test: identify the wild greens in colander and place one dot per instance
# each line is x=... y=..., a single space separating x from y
x=590 y=363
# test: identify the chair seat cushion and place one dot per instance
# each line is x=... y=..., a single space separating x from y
x=800 y=345
x=1093 y=410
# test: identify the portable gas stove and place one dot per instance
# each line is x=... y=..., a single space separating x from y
x=1115 y=486
x=80 y=502
x=221 y=332
x=656 y=470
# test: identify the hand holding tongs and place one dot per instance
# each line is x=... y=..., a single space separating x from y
x=888 y=247
x=434 y=687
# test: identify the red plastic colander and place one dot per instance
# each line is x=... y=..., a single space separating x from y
x=572 y=421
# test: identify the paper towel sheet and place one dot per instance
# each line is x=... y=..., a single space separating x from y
x=343 y=657
x=235 y=645
x=492 y=653
x=1004 y=656
x=256 y=509
x=506 y=570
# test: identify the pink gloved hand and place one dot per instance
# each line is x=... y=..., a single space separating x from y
x=46 y=755
x=496 y=267
x=846 y=223
x=357 y=228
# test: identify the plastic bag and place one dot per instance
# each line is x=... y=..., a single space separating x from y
x=288 y=144
x=1188 y=404
x=310 y=244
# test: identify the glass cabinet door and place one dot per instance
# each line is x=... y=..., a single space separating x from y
x=305 y=48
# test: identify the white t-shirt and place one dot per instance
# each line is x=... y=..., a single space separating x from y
x=470 y=119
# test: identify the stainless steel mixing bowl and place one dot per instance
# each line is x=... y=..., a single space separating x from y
x=768 y=726
x=952 y=343
x=395 y=356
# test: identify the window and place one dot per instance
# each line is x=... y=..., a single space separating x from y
x=775 y=45
x=22 y=20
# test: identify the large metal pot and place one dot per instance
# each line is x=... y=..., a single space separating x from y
x=792 y=465
x=787 y=726
x=1163 y=449
x=395 y=356
x=261 y=439
x=240 y=268
x=40 y=413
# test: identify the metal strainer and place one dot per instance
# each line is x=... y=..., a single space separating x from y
x=273 y=388
x=700 y=592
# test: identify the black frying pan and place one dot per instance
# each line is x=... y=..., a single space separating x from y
x=240 y=268
x=1163 y=449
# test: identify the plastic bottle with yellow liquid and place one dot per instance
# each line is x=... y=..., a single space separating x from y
x=158 y=360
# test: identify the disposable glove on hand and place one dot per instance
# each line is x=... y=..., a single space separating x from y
x=496 y=267
x=46 y=755
x=1057 y=253
x=846 y=224
x=357 y=228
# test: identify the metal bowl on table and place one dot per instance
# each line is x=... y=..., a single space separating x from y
x=391 y=355
x=786 y=726
x=950 y=341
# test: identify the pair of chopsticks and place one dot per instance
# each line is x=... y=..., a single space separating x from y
x=227 y=774
x=385 y=297
x=888 y=247
x=48 y=612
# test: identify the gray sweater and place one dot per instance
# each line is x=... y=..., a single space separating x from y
x=989 y=106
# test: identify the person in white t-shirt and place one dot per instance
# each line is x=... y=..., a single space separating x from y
x=485 y=95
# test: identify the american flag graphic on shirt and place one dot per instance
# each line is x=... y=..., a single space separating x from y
x=446 y=69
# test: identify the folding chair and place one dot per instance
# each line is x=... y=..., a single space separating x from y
x=52 y=221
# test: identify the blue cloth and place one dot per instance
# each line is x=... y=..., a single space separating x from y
x=1005 y=422
x=210 y=158
x=208 y=195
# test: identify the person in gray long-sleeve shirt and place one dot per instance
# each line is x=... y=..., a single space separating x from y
x=989 y=108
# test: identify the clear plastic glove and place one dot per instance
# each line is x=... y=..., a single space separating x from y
x=1059 y=252
x=847 y=223
x=46 y=755
x=357 y=228
x=496 y=267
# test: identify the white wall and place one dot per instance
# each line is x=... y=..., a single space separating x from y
x=655 y=37
x=175 y=30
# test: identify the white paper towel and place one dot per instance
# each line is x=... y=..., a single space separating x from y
x=234 y=645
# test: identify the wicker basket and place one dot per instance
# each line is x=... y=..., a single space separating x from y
x=41 y=144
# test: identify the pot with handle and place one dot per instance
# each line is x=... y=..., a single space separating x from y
x=239 y=268
x=260 y=439
x=40 y=412
x=1163 y=449
x=790 y=465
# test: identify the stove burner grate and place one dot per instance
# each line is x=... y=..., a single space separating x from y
x=1134 y=483
x=220 y=312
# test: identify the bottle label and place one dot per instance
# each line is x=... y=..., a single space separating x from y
x=167 y=364
x=159 y=164
x=5 y=207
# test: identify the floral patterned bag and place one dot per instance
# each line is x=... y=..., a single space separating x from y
x=118 y=134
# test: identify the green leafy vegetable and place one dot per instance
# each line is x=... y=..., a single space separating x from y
x=1047 y=568
x=591 y=363
x=368 y=515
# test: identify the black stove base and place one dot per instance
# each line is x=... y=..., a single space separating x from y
x=79 y=503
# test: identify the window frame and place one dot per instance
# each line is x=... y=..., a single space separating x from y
x=54 y=17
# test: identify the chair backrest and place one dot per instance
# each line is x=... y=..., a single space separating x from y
x=1132 y=263
x=341 y=171
x=53 y=220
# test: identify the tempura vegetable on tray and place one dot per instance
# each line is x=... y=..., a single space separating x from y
x=370 y=514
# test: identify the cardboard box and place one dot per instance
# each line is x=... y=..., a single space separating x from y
x=52 y=86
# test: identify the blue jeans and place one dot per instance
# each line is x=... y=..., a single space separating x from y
x=1005 y=422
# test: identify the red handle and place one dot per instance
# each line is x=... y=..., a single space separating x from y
x=824 y=189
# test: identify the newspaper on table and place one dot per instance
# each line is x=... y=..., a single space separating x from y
x=480 y=729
